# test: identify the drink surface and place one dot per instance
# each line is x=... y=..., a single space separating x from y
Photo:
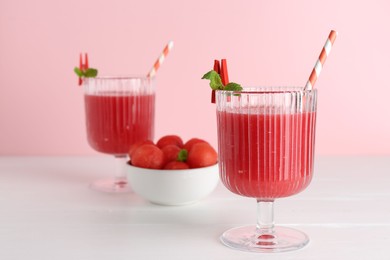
x=266 y=156
x=115 y=121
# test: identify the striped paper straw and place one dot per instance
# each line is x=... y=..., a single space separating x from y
x=160 y=59
x=321 y=60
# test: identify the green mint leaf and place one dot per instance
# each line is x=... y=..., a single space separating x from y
x=215 y=79
x=182 y=156
x=88 y=73
x=91 y=73
x=233 y=86
x=78 y=72
x=208 y=74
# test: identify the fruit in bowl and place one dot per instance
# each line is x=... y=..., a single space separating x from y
x=172 y=172
x=171 y=153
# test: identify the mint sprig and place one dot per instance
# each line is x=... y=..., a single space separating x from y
x=233 y=87
x=216 y=82
x=215 y=79
x=87 y=73
x=182 y=156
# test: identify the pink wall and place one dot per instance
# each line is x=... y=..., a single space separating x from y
x=265 y=42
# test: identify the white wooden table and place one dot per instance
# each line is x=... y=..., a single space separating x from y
x=47 y=211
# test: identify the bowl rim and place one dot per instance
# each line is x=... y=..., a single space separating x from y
x=169 y=171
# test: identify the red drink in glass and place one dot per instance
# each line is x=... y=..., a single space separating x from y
x=266 y=155
x=114 y=122
x=119 y=112
x=266 y=151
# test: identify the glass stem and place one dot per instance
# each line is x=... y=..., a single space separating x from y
x=120 y=161
x=265 y=217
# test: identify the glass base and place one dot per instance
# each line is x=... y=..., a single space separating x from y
x=248 y=239
x=111 y=185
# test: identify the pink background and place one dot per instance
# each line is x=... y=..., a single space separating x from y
x=265 y=43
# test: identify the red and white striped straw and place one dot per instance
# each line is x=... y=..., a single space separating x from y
x=160 y=59
x=321 y=60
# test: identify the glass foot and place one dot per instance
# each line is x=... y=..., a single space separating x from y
x=112 y=185
x=247 y=238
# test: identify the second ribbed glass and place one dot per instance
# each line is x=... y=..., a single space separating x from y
x=266 y=151
x=119 y=112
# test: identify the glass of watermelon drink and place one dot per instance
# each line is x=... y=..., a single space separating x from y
x=266 y=151
x=119 y=112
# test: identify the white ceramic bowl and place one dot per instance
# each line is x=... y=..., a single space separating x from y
x=173 y=187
